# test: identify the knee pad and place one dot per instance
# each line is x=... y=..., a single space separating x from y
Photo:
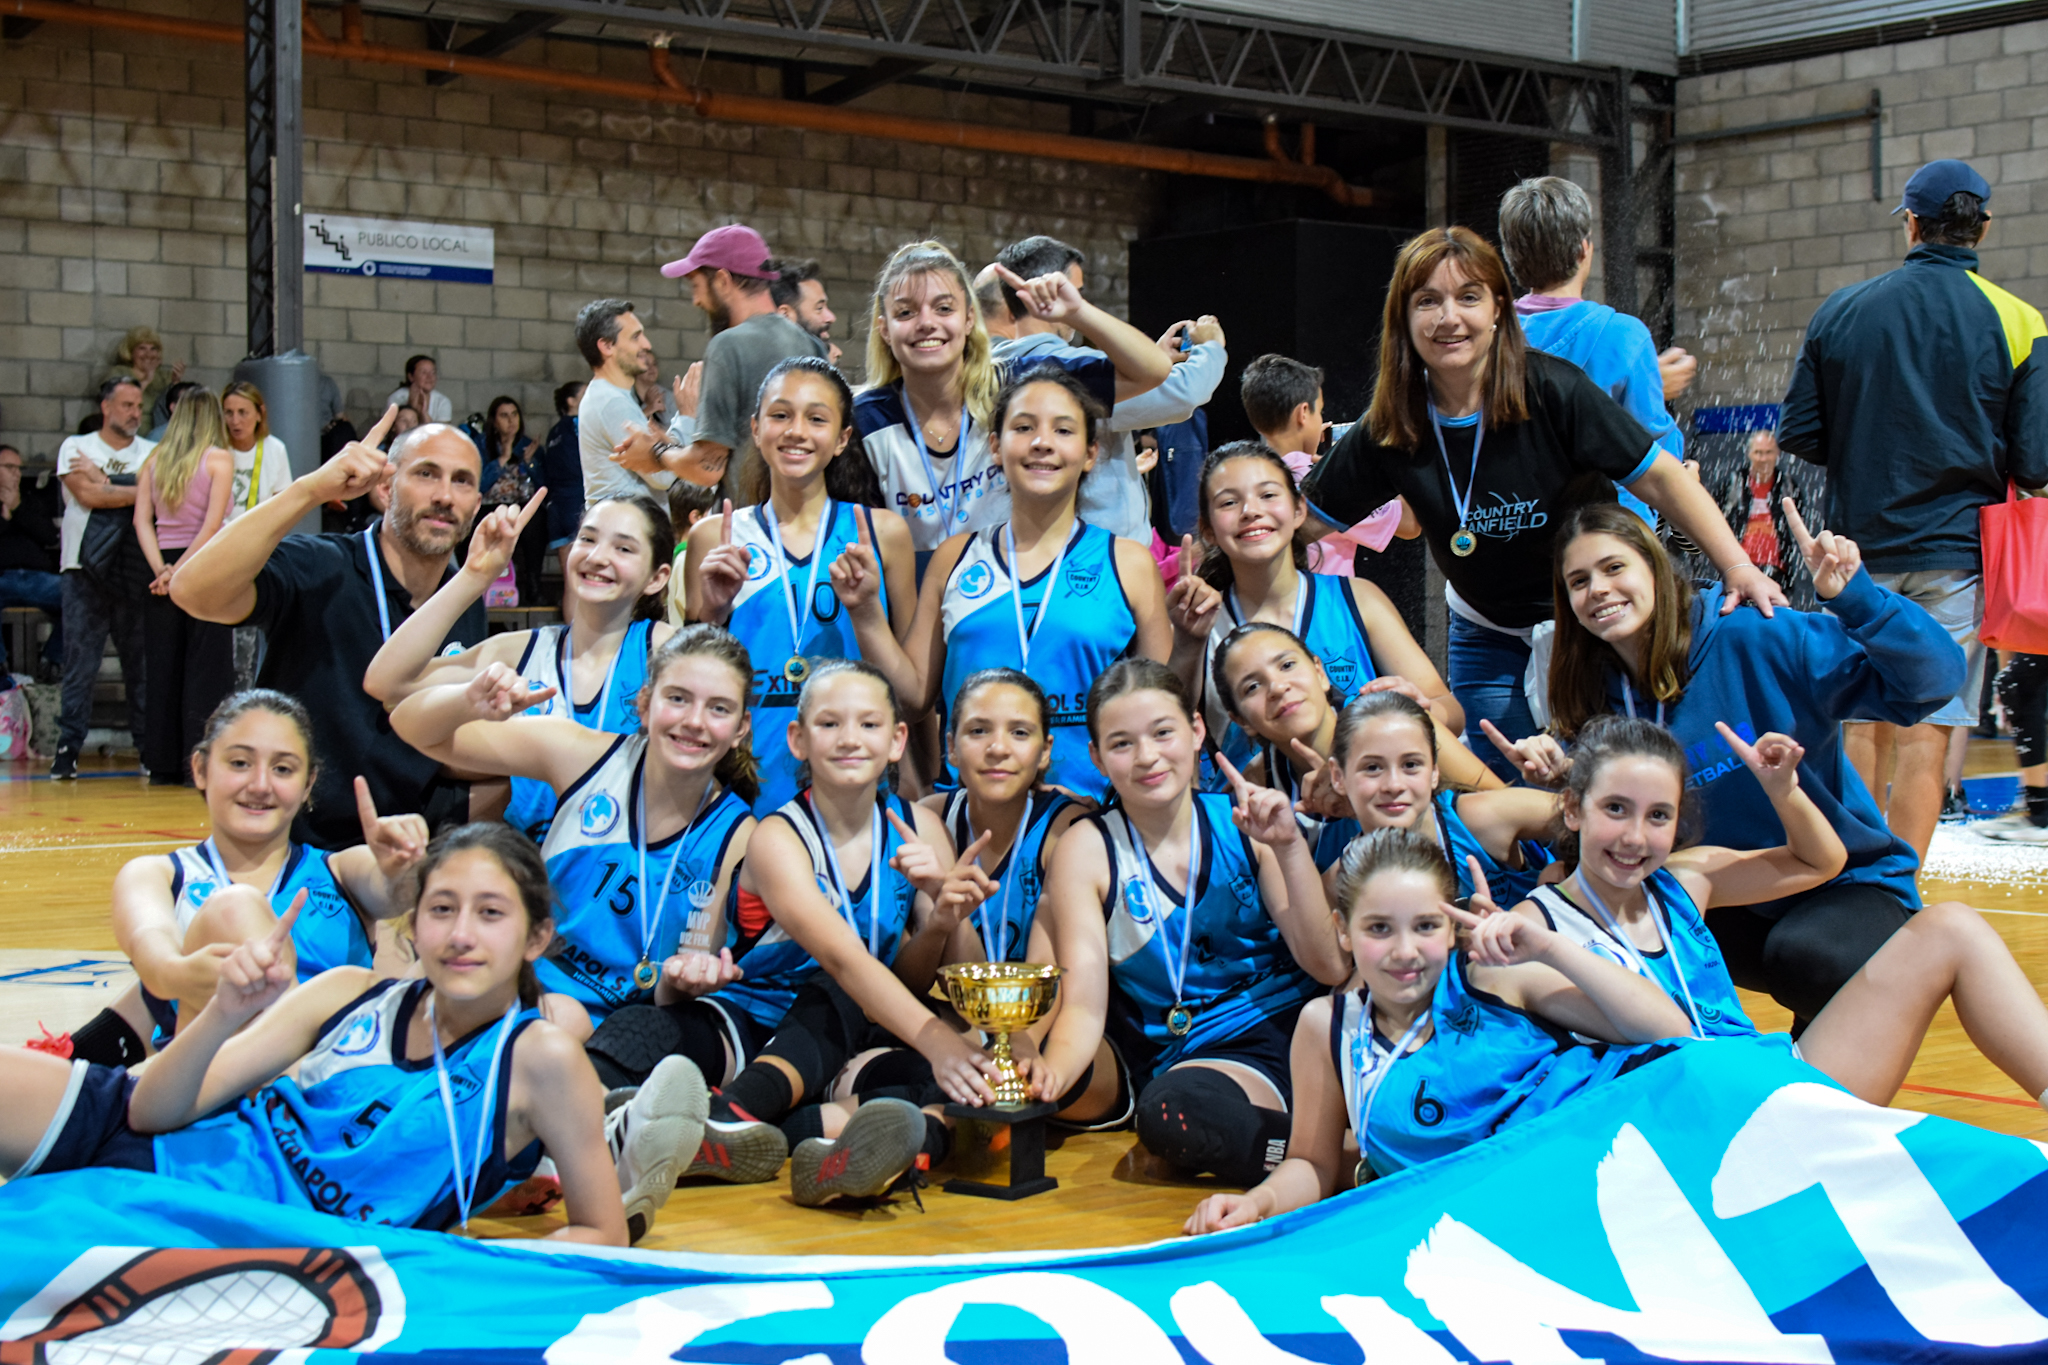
x=632 y=1041
x=1201 y=1120
x=898 y=1070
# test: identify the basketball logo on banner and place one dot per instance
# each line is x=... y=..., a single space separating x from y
x=181 y=1306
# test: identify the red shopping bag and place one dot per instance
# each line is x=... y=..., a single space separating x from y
x=2015 y=540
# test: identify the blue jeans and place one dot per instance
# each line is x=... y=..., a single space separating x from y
x=44 y=592
x=1486 y=678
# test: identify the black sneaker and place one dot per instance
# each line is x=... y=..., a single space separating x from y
x=1954 y=806
x=64 y=766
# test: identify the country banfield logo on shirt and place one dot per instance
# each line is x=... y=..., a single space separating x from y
x=599 y=815
x=977 y=579
x=757 y=564
x=1503 y=516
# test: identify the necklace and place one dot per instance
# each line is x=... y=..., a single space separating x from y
x=377 y=577
x=949 y=507
x=995 y=939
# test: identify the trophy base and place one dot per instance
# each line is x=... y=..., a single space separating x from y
x=999 y=1153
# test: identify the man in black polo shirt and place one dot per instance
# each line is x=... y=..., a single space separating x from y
x=328 y=602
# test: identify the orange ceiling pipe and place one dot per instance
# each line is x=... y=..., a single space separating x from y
x=712 y=104
x=1323 y=177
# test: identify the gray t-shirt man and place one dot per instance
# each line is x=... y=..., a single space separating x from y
x=605 y=417
x=735 y=362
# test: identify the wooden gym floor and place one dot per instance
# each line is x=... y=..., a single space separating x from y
x=61 y=843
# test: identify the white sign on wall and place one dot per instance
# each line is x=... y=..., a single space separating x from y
x=398 y=248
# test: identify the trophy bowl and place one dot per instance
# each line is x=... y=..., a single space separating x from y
x=1001 y=998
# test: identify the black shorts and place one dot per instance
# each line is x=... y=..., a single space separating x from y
x=92 y=1126
x=1264 y=1047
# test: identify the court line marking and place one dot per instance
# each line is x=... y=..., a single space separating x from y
x=87 y=848
x=1970 y=1095
x=2030 y=914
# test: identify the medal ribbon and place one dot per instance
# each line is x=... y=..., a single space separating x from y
x=1612 y=925
x=1177 y=971
x=465 y=1189
x=1628 y=700
x=796 y=616
x=649 y=923
x=875 y=866
x=1372 y=1073
x=946 y=506
x=567 y=661
x=1052 y=585
x=995 y=944
x=377 y=576
x=220 y=869
x=1300 y=603
x=1462 y=504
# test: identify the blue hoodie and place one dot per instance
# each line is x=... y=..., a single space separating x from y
x=1872 y=655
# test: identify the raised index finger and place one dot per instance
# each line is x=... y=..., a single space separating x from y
x=290 y=917
x=909 y=834
x=725 y=524
x=366 y=806
x=1743 y=749
x=1232 y=775
x=1479 y=886
x=1800 y=535
x=532 y=505
x=376 y=434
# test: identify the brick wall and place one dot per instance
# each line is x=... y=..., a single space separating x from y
x=121 y=203
x=1768 y=226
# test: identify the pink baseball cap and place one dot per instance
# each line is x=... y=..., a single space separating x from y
x=735 y=247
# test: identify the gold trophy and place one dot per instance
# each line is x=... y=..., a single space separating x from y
x=999 y=1149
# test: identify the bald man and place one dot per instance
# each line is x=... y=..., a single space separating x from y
x=327 y=603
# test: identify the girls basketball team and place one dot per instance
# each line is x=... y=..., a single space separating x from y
x=1238 y=815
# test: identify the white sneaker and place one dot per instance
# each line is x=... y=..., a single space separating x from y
x=1998 y=828
x=654 y=1136
x=2025 y=832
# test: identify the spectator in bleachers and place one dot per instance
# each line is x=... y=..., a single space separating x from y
x=561 y=467
x=28 y=561
x=512 y=471
x=419 y=394
x=140 y=357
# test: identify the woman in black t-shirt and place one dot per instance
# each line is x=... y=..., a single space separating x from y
x=1490 y=443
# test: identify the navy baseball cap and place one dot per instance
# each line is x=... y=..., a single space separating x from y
x=1931 y=186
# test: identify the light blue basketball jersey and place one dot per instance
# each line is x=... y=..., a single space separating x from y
x=1486 y=1067
x=1087 y=627
x=1706 y=992
x=329 y=931
x=594 y=865
x=1239 y=968
x=614 y=710
x=1009 y=913
x=776 y=964
x=760 y=619
x=1508 y=885
x=361 y=1133
x=1334 y=634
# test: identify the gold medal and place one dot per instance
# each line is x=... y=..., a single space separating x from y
x=797 y=669
x=1179 y=1020
x=1463 y=543
x=645 y=975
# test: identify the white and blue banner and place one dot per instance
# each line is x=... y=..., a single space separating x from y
x=1725 y=1203
x=399 y=248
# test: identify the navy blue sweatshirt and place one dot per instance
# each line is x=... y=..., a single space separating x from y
x=1872 y=655
x=1921 y=391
